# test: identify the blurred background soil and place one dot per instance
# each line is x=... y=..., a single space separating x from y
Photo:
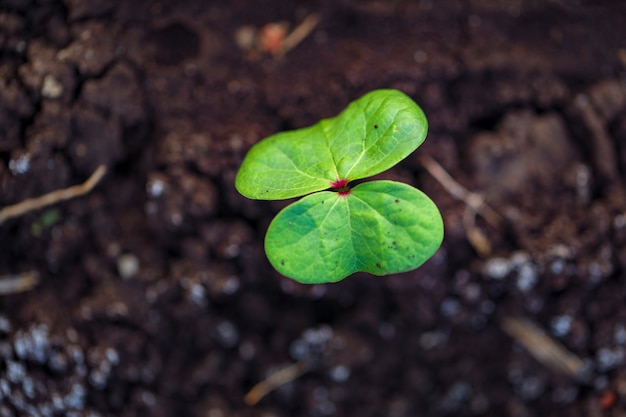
x=154 y=296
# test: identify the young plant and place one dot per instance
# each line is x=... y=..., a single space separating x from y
x=380 y=227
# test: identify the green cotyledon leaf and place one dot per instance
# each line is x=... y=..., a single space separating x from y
x=371 y=135
x=380 y=227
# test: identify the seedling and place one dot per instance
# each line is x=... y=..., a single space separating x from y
x=380 y=227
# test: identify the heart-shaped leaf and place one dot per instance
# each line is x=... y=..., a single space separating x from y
x=380 y=227
x=371 y=135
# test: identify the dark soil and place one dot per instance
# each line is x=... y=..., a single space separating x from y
x=155 y=296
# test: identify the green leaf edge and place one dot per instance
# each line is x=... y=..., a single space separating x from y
x=327 y=166
x=281 y=221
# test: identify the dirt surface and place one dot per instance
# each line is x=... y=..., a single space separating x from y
x=155 y=297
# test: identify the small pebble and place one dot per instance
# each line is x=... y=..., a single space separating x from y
x=531 y=388
x=340 y=373
x=450 y=307
x=155 y=188
x=459 y=392
x=231 y=285
x=198 y=294
x=311 y=344
x=561 y=325
x=497 y=268
x=5 y=387
x=98 y=379
x=433 y=339
x=527 y=277
x=15 y=371
x=608 y=358
x=5 y=325
x=75 y=399
x=112 y=356
x=58 y=362
x=51 y=87
x=148 y=398
x=127 y=266
x=227 y=334
x=20 y=165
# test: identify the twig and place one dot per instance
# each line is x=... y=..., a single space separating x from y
x=602 y=150
x=474 y=234
x=274 y=381
x=297 y=35
x=474 y=201
x=542 y=347
x=621 y=55
x=475 y=204
x=53 y=197
x=16 y=283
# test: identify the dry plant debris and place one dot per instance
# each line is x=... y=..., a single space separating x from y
x=17 y=283
x=31 y=204
x=274 y=38
x=274 y=381
x=542 y=347
x=475 y=206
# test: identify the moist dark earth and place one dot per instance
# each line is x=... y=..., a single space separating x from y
x=155 y=297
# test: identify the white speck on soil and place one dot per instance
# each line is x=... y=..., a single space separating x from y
x=19 y=165
x=127 y=266
x=450 y=307
x=561 y=325
x=527 y=277
x=155 y=188
x=433 y=339
x=227 y=334
x=340 y=373
x=608 y=358
x=51 y=87
x=497 y=268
